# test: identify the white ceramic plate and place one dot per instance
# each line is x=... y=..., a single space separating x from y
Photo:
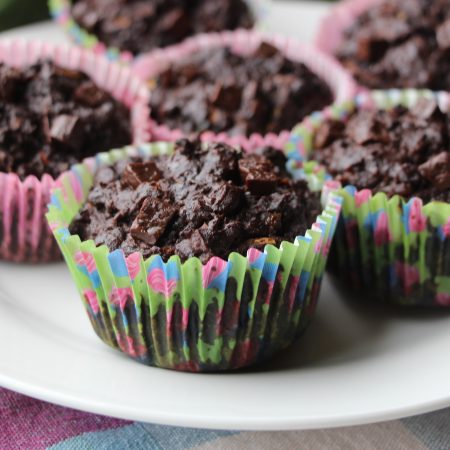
x=356 y=364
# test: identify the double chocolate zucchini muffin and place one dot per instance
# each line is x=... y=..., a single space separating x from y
x=388 y=155
x=138 y=26
x=218 y=90
x=169 y=248
x=52 y=117
x=203 y=201
x=399 y=151
x=400 y=43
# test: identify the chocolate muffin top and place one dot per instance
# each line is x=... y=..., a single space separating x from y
x=203 y=200
x=399 y=151
x=218 y=90
x=400 y=43
x=51 y=118
x=138 y=26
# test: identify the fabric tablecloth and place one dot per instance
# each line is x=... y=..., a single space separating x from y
x=28 y=424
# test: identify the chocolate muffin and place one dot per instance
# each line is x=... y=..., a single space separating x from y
x=203 y=201
x=52 y=117
x=138 y=26
x=218 y=90
x=396 y=151
x=400 y=43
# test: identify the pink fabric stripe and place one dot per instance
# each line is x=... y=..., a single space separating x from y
x=31 y=424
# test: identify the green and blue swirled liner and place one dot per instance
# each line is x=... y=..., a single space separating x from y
x=397 y=250
x=187 y=316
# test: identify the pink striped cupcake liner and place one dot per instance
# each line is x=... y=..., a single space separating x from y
x=244 y=42
x=24 y=233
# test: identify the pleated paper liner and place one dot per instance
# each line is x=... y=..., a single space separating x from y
x=399 y=251
x=150 y=66
x=60 y=10
x=24 y=233
x=187 y=316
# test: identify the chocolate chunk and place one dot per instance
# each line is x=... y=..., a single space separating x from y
x=152 y=220
x=10 y=81
x=227 y=97
x=90 y=94
x=67 y=130
x=198 y=207
x=138 y=173
x=396 y=151
x=194 y=245
x=257 y=175
x=139 y=26
x=226 y=199
x=266 y=50
x=437 y=170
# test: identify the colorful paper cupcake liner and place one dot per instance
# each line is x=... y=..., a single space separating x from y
x=24 y=233
x=395 y=249
x=340 y=18
x=187 y=316
x=60 y=10
x=244 y=42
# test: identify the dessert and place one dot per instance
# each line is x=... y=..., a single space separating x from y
x=53 y=117
x=400 y=151
x=387 y=155
x=58 y=105
x=399 y=43
x=138 y=26
x=219 y=90
x=201 y=201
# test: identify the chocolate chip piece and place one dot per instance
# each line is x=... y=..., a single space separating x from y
x=226 y=199
x=67 y=130
x=90 y=94
x=226 y=97
x=328 y=132
x=437 y=170
x=10 y=81
x=152 y=220
x=194 y=245
x=257 y=175
x=138 y=173
x=266 y=50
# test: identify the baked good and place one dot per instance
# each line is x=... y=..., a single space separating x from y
x=203 y=201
